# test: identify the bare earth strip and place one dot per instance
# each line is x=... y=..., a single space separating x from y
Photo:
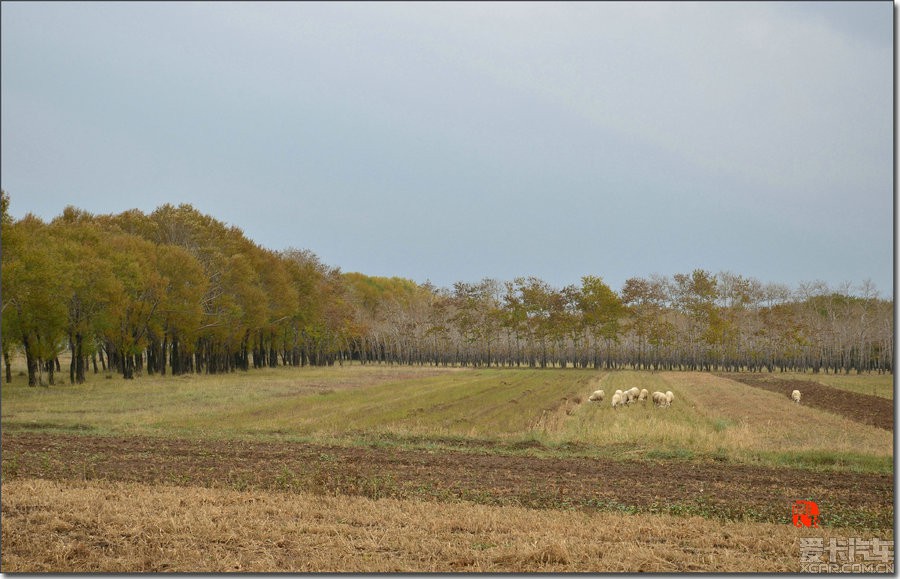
x=864 y=408
x=720 y=491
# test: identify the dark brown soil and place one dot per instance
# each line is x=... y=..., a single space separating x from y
x=872 y=410
x=718 y=490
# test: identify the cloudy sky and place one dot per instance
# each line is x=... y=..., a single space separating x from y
x=452 y=142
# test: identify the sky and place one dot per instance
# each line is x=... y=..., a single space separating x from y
x=456 y=141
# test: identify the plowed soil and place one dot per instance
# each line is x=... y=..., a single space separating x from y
x=718 y=490
x=871 y=410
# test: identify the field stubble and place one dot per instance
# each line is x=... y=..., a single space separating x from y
x=76 y=526
x=433 y=439
x=708 y=488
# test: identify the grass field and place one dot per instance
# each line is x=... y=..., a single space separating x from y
x=453 y=441
x=712 y=416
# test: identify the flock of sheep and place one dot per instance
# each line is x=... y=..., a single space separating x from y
x=621 y=398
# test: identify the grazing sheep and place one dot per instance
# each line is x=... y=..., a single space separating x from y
x=659 y=399
x=597 y=396
x=633 y=394
x=617 y=400
x=643 y=395
x=630 y=395
x=619 y=392
x=795 y=396
x=669 y=397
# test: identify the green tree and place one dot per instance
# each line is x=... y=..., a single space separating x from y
x=34 y=314
x=602 y=312
x=695 y=297
x=133 y=300
x=85 y=266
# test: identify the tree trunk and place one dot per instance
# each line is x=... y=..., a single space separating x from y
x=127 y=363
x=72 y=362
x=30 y=362
x=162 y=354
x=50 y=367
x=8 y=369
x=78 y=354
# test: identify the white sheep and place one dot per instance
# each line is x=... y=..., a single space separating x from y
x=795 y=396
x=617 y=400
x=659 y=399
x=628 y=396
x=619 y=392
x=597 y=396
x=669 y=397
x=633 y=394
x=643 y=395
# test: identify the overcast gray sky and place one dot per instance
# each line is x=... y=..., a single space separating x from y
x=452 y=142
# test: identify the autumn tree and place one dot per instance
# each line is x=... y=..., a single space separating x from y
x=34 y=316
x=179 y=290
x=602 y=313
x=90 y=282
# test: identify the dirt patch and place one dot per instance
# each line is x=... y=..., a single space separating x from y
x=864 y=408
x=726 y=491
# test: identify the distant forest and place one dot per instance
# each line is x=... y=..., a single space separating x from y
x=177 y=291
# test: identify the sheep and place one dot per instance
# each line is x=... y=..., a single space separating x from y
x=597 y=396
x=643 y=395
x=659 y=399
x=632 y=395
x=795 y=396
x=669 y=397
x=617 y=400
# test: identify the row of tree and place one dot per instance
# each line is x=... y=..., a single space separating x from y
x=696 y=321
x=178 y=291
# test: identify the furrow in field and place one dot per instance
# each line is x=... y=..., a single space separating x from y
x=744 y=418
x=864 y=408
x=725 y=491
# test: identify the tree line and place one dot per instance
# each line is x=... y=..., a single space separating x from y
x=176 y=291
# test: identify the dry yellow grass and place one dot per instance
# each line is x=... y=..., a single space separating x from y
x=712 y=414
x=78 y=526
x=881 y=385
x=747 y=418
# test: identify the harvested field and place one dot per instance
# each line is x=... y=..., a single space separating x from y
x=463 y=409
x=102 y=526
x=395 y=469
x=711 y=489
x=866 y=409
